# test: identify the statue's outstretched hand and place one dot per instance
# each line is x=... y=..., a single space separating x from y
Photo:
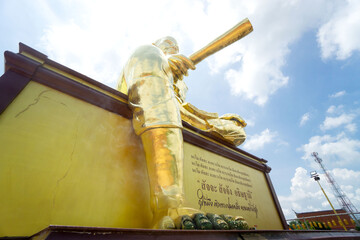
x=179 y=65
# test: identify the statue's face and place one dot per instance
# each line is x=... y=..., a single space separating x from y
x=168 y=45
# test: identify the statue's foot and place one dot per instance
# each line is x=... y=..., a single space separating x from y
x=174 y=213
x=166 y=223
x=185 y=222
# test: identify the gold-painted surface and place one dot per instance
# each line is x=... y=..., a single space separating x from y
x=219 y=185
x=234 y=34
x=193 y=120
x=149 y=76
x=150 y=90
x=199 y=113
x=179 y=64
x=67 y=162
x=230 y=127
x=234 y=117
x=121 y=84
x=164 y=172
x=152 y=78
x=163 y=148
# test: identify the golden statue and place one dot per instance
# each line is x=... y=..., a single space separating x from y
x=152 y=78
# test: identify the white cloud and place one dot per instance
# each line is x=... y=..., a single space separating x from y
x=335 y=109
x=345 y=174
x=264 y=52
x=250 y=122
x=334 y=150
x=304 y=119
x=338 y=94
x=351 y=127
x=258 y=141
x=339 y=37
x=334 y=122
x=325 y=205
x=98 y=39
x=306 y=195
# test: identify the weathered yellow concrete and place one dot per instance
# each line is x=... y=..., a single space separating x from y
x=67 y=162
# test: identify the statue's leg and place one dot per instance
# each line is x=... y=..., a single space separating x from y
x=164 y=156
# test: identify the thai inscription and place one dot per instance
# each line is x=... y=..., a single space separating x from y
x=222 y=186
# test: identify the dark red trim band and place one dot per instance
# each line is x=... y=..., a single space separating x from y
x=18 y=74
x=276 y=201
x=11 y=84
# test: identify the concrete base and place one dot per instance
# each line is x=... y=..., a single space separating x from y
x=72 y=232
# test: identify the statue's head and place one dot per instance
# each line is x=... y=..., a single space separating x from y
x=168 y=45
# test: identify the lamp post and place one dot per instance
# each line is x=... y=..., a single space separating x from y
x=316 y=177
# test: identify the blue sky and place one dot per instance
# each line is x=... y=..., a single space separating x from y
x=295 y=79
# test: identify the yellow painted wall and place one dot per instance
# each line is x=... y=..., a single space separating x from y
x=66 y=162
